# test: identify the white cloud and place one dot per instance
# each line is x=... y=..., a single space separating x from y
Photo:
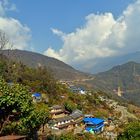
x=102 y=36
x=131 y=16
x=58 y=32
x=5 y=6
x=53 y=53
x=18 y=33
x=84 y=42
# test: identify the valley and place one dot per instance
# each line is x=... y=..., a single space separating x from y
x=85 y=96
x=69 y=70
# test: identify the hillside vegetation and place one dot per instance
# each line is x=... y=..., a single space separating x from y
x=19 y=115
x=61 y=70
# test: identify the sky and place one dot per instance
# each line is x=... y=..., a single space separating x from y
x=77 y=32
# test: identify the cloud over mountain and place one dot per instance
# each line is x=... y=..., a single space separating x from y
x=18 y=33
x=101 y=36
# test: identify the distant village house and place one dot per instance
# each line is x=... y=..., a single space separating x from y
x=36 y=97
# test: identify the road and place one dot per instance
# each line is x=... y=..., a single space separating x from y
x=124 y=112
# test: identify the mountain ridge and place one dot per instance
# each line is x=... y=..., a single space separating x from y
x=60 y=69
x=105 y=64
x=125 y=76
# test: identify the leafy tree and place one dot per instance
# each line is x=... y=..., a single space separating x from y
x=131 y=132
x=39 y=79
x=18 y=114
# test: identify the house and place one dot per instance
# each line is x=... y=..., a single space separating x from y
x=36 y=97
x=62 y=123
x=78 y=90
x=57 y=111
x=94 y=125
x=82 y=91
x=88 y=116
x=67 y=122
x=77 y=116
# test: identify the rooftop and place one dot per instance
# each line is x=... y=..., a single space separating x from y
x=66 y=118
x=56 y=107
x=76 y=114
x=95 y=121
x=65 y=125
x=36 y=95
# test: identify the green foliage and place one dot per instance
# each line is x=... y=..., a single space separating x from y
x=39 y=79
x=15 y=98
x=94 y=99
x=20 y=115
x=100 y=113
x=68 y=136
x=70 y=106
x=71 y=136
x=131 y=132
x=2 y=67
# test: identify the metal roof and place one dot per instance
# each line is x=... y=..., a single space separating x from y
x=76 y=114
x=36 y=95
x=95 y=121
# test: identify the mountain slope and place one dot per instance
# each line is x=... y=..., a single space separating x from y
x=59 y=69
x=126 y=76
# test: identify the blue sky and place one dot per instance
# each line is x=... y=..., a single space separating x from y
x=42 y=15
x=78 y=32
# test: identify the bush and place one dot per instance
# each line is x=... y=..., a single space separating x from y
x=131 y=132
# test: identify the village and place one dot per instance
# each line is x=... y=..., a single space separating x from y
x=62 y=121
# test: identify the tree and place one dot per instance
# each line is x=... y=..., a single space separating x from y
x=18 y=114
x=39 y=79
x=131 y=132
x=3 y=65
x=3 y=40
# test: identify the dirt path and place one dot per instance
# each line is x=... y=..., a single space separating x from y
x=124 y=112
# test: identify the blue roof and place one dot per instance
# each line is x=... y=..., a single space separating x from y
x=36 y=94
x=95 y=121
x=97 y=128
